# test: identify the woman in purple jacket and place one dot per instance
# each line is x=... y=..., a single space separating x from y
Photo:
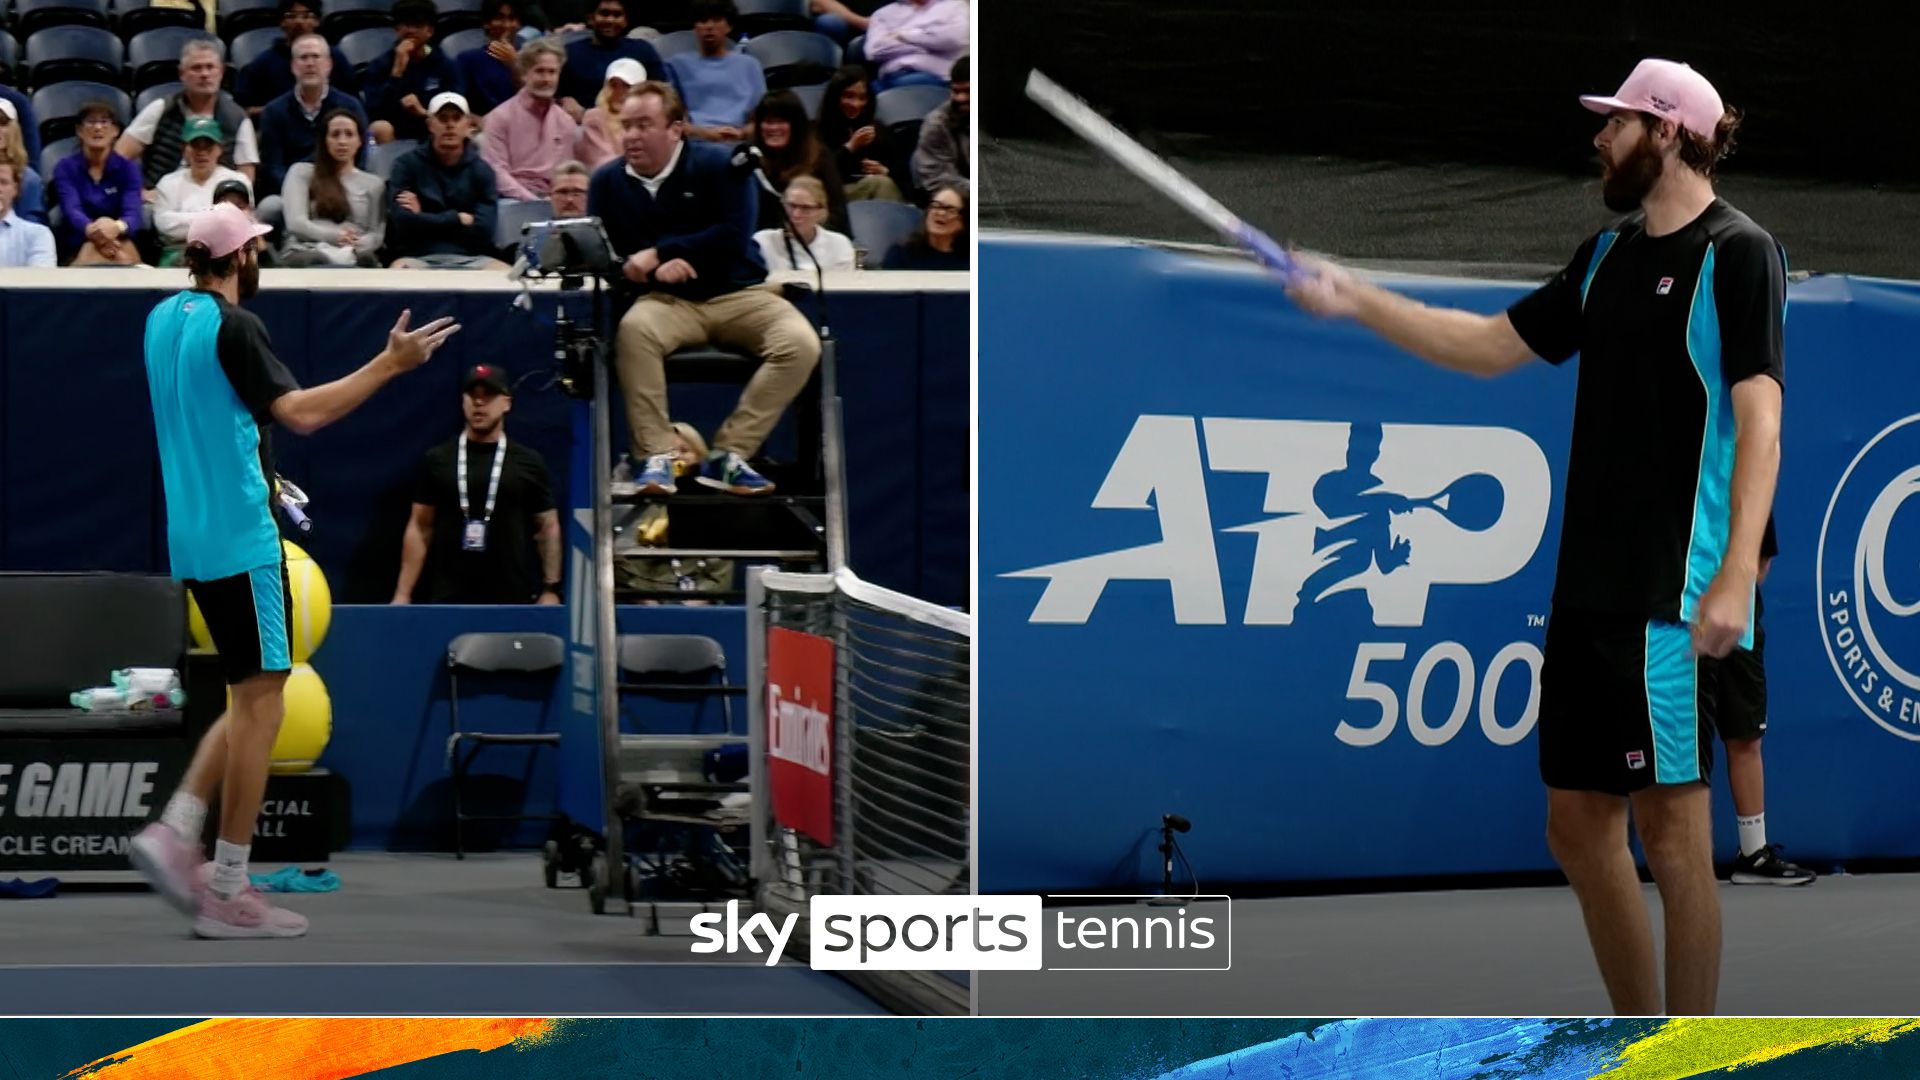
x=98 y=192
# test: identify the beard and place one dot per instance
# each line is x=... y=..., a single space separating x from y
x=1624 y=187
x=248 y=277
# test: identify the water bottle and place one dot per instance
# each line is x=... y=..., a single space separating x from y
x=99 y=699
x=623 y=477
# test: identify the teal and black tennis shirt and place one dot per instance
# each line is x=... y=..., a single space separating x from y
x=1665 y=326
x=213 y=378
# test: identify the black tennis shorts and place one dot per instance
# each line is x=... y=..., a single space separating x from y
x=247 y=615
x=1743 y=687
x=1624 y=705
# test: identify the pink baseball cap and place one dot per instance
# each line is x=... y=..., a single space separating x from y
x=1666 y=89
x=223 y=229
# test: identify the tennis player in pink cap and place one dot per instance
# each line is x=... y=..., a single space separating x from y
x=1678 y=312
x=216 y=387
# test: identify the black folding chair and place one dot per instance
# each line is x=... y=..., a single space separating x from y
x=527 y=656
x=794 y=57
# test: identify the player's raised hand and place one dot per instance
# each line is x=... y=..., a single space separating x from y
x=411 y=348
x=1322 y=288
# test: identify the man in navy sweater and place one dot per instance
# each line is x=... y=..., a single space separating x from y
x=290 y=124
x=683 y=221
x=442 y=199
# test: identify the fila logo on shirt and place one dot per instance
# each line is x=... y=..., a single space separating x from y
x=1666 y=286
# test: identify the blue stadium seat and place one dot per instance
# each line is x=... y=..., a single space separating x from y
x=32 y=16
x=770 y=16
x=52 y=154
x=342 y=18
x=154 y=93
x=511 y=214
x=672 y=45
x=462 y=41
x=380 y=159
x=810 y=95
x=9 y=57
x=457 y=15
x=794 y=57
x=63 y=53
x=154 y=57
x=879 y=226
x=57 y=105
x=905 y=106
x=363 y=47
x=237 y=17
x=131 y=17
x=857 y=51
x=568 y=37
x=247 y=46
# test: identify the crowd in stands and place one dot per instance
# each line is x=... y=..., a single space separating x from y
x=416 y=137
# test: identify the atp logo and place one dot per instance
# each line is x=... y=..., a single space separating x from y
x=1868 y=577
x=1387 y=511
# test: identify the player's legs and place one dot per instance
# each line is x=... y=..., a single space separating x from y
x=1587 y=833
x=252 y=725
x=1676 y=832
x=1748 y=779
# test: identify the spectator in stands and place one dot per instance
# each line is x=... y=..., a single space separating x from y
x=785 y=137
x=589 y=58
x=492 y=75
x=22 y=242
x=942 y=242
x=189 y=190
x=847 y=127
x=679 y=576
x=276 y=71
x=23 y=115
x=916 y=41
x=944 y=157
x=837 y=20
x=98 y=192
x=482 y=504
x=682 y=220
x=442 y=196
x=154 y=139
x=805 y=202
x=528 y=134
x=290 y=124
x=30 y=201
x=569 y=194
x=236 y=193
x=721 y=83
x=405 y=78
x=599 y=140
x=336 y=212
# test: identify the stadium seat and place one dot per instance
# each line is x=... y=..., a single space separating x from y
x=248 y=46
x=771 y=16
x=511 y=214
x=906 y=106
x=810 y=95
x=241 y=16
x=879 y=226
x=154 y=57
x=63 y=53
x=672 y=45
x=343 y=18
x=457 y=15
x=857 y=51
x=32 y=16
x=794 y=57
x=463 y=41
x=57 y=105
x=154 y=93
x=52 y=154
x=9 y=57
x=131 y=17
x=380 y=158
x=363 y=47
x=568 y=37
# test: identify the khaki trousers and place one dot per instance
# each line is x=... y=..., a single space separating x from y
x=756 y=319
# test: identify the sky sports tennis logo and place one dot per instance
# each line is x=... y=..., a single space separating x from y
x=981 y=933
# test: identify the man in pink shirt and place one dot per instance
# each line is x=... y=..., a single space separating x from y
x=916 y=41
x=527 y=135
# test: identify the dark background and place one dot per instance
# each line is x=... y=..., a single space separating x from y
x=1446 y=132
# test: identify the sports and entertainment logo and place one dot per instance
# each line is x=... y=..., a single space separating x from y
x=1868 y=577
x=1384 y=510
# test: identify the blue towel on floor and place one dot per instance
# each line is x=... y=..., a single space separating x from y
x=294 y=879
x=21 y=889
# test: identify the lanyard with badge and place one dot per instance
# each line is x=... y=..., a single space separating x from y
x=475 y=536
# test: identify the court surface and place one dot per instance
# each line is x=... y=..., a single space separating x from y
x=405 y=934
x=1843 y=946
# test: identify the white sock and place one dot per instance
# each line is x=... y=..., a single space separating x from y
x=230 y=868
x=1753 y=833
x=186 y=816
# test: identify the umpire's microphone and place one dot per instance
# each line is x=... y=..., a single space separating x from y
x=746 y=158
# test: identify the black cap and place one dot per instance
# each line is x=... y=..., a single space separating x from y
x=232 y=187
x=488 y=375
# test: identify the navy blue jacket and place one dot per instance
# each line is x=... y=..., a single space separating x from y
x=586 y=67
x=705 y=214
x=287 y=138
x=444 y=194
x=425 y=76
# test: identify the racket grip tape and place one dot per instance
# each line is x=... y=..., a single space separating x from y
x=1271 y=254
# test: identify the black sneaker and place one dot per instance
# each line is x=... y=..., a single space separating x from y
x=1766 y=867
